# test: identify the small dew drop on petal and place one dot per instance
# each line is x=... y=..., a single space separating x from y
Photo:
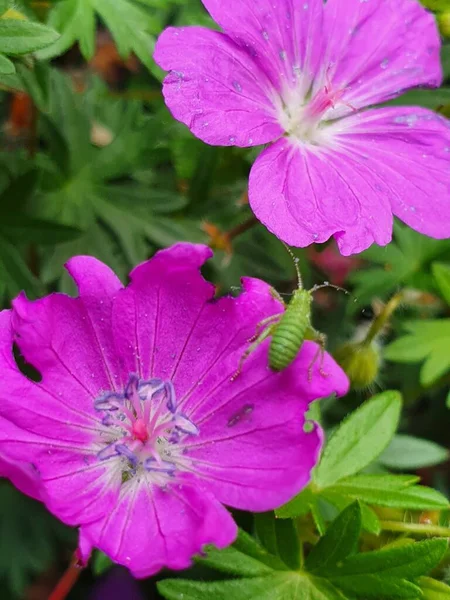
x=237 y=86
x=384 y=63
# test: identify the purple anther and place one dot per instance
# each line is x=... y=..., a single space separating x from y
x=123 y=450
x=108 y=452
x=147 y=388
x=161 y=466
x=132 y=386
x=171 y=398
x=109 y=401
x=182 y=423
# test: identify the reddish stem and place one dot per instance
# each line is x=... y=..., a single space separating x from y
x=68 y=580
x=242 y=228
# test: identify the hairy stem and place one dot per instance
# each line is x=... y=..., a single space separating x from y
x=417 y=528
x=68 y=580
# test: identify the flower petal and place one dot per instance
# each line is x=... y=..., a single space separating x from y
x=215 y=88
x=155 y=315
x=284 y=37
x=33 y=407
x=305 y=194
x=172 y=524
x=252 y=452
x=69 y=339
x=410 y=157
x=377 y=49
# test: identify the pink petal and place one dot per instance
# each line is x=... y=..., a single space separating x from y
x=377 y=49
x=305 y=194
x=252 y=452
x=216 y=88
x=155 y=315
x=69 y=339
x=34 y=408
x=408 y=151
x=150 y=528
x=22 y=474
x=284 y=37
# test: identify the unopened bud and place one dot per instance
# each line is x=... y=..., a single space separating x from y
x=360 y=361
x=444 y=23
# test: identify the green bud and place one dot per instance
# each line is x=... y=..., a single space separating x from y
x=360 y=361
x=444 y=23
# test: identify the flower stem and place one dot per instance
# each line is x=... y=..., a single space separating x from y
x=417 y=528
x=241 y=228
x=380 y=321
x=68 y=580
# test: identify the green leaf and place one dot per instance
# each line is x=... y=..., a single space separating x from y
x=280 y=537
x=292 y=586
x=339 y=541
x=75 y=19
x=6 y=66
x=434 y=590
x=14 y=273
x=427 y=339
x=396 y=491
x=298 y=506
x=359 y=439
x=29 y=540
x=403 y=262
x=101 y=563
x=408 y=453
x=441 y=273
x=369 y=520
x=244 y=558
x=407 y=561
x=21 y=36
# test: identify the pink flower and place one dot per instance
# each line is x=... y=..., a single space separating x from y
x=22 y=474
x=137 y=428
x=300 y=75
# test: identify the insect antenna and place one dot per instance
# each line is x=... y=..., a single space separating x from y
x=327 y=284
x=297 y=270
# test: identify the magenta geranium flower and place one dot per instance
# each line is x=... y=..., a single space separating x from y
x=300 y=75
x=138 y=430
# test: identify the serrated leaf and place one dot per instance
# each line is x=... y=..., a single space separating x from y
x=292 y=586
x=407 y=561
x=75 y=19
x=339 y=541
x=427 y=339
x=245 y=558
x=21 y=37
x=359 y=439
x=408 y=453
x=393 y=491
x=441 y=274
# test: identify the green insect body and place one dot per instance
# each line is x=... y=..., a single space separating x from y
x=290 y=331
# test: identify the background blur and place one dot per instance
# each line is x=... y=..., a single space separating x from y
x=91 y=162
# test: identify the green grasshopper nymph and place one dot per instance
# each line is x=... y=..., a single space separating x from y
x=289 y=329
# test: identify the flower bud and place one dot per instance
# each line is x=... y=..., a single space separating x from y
x=444 y=23
x=360 y=361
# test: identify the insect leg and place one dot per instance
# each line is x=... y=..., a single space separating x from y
x=262 y=324
x=265 y=334
x=321 y=340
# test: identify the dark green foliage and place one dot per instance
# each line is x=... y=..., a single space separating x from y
x=95 y=164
